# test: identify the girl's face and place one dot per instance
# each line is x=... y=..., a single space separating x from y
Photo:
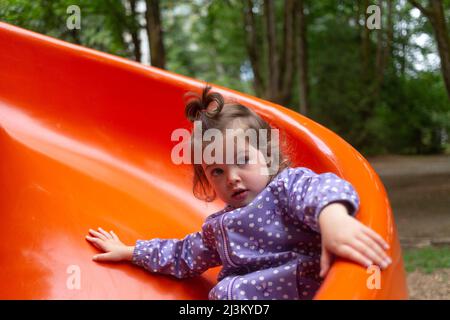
x=238 y=184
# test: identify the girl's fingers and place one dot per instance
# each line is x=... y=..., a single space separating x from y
x=366 y=250
x=106 y=234
x=375 y=246
x=349 y=253
x=97 y=234
x=115 y=237
x=325 y=262
x=376 y=237
x=104 y=257
x=94 y=242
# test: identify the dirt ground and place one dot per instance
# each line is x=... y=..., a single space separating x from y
x=435 y=285
x=419 y=192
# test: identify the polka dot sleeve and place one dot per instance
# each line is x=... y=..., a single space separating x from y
x=309 y=193
x=180 y=258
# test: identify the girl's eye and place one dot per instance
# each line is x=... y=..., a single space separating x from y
x=215 y=172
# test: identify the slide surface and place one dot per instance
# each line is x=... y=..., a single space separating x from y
x=85 y=141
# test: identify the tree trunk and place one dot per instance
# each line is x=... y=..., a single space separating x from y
x=134 y=31
x=273 y=72
x=384 y=45
x=379 y=57
x=302 y=54
x=404 y=40
x=155 y=34
x=435 y=14
x=390 y=32
x=365 y=45
x=287 y=63
x=442 y=38
x=253 y=49
x=368 y=72
x=276 y=84
x=358 y=19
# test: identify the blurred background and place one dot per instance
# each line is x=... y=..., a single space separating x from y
x=375 y=72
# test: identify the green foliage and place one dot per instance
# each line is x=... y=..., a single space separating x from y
x=405 y=125
x=427 y=259
x=203 y=41
x=337 y=92
x=103 y=22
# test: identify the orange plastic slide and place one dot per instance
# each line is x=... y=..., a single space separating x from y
x=85 y=141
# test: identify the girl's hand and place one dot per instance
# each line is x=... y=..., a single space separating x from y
x=346 y=237
x=109 y=243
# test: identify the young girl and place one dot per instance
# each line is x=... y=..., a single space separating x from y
x=278 y=232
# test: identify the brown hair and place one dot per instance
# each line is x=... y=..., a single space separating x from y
x=211 y=110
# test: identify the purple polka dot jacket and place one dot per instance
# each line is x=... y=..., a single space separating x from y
x=269 y=249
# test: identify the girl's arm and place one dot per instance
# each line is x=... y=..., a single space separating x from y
x=327 y=204
x=309 y=193
x=346 y=237
x=183 y=258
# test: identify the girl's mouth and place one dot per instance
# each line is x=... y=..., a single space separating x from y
x=240 y=194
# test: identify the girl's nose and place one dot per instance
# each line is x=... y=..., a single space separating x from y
x=233 y=177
